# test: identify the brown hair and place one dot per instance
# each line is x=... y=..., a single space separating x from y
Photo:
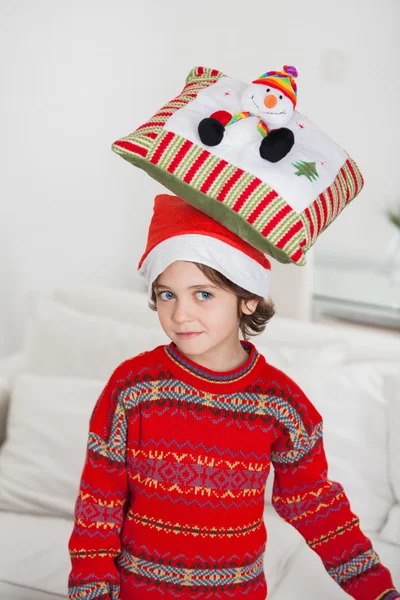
x=249 y=325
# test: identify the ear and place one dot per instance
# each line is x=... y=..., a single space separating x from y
x=249 y=306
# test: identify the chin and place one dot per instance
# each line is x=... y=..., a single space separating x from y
x=194 y=345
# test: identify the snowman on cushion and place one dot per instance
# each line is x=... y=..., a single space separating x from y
x=271 y=99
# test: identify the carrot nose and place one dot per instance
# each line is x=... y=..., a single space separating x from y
x=270 y=101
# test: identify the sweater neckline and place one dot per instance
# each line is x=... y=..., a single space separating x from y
x=204 y=373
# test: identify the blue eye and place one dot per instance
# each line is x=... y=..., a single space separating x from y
x=208 y=293
x=171 y=295
x=159 y=295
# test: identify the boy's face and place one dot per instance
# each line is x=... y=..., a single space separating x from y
x=189 y=302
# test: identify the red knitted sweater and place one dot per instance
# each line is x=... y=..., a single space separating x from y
x=171 y=497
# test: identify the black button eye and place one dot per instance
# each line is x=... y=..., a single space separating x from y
x=280 y=97
x=268 y=89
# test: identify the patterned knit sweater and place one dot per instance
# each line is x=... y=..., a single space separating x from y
x=171 y=497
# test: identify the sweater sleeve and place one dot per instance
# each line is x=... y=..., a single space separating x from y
x=102 y=500
x=317 y=507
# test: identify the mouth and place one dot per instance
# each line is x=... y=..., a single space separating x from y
x=189 y=334
x=265 y=112
x=254 y=102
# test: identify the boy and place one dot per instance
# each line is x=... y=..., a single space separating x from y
x=182 y=439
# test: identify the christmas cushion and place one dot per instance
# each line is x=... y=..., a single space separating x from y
x=242 y=154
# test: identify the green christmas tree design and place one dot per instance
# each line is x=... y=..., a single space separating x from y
x=308 y=169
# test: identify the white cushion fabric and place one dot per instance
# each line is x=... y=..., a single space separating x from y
x=283 y=543
x=392 y=391
x=4 y=402
x=33 y=550
x=131 y=307
x=282 y=355
x=42 y=459
x=62 y=341
x=296 y=340
x=9 y=369
x=34 y=555
x=11 y=366
x=391 y=530
x=351 y=401
x=305 y=576
x=360 y=344
x=113 y=303
x=10 y=591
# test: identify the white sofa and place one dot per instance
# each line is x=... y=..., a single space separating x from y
x=75 y=338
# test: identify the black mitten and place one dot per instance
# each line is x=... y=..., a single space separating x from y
x=277 y=144
x=211 y=131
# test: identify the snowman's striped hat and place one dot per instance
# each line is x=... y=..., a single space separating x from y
x=178 y=231
x=283 y=81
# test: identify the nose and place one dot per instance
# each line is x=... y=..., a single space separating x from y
x=270 y=101
x=181 y=312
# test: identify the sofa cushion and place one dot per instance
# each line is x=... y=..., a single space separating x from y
x=283 y=543
x=63 y=341
x=10 y=591
x=392 y=391
x=285 y=341
x=305 y=576
x=42 y=459
x=390 y=532
x=391 y=529
x=351 y=399
x=360 y=344
x=34 y=551
x=34 y=555
x=4 y=402
x=127 y=306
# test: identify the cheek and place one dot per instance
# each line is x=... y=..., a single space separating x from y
x=162 y=311
x=225 y=313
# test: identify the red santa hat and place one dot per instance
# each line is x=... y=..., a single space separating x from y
x=178 y=231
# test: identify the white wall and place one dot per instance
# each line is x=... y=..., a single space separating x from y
x=77 y=75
